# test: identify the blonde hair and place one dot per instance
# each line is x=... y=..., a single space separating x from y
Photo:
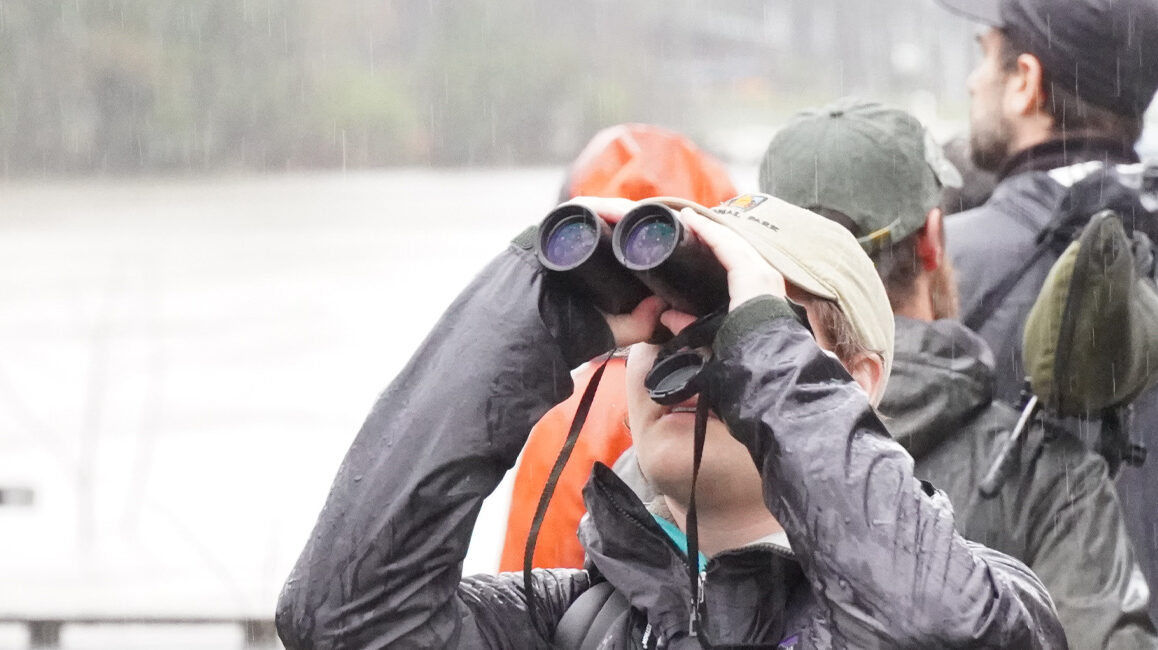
x=847 y=343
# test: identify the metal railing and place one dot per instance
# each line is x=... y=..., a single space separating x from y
x=45 y=633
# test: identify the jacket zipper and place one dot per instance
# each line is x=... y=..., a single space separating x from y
x=693 y=629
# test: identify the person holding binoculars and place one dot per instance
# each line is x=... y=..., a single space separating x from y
x=751 y=406
x=630 y=161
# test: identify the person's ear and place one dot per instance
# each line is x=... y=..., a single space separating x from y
x=868 y=371
x=1025 y=89
x=931 y=241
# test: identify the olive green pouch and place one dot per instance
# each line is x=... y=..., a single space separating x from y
x=1091 y=338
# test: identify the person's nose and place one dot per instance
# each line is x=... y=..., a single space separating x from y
x=971 y=80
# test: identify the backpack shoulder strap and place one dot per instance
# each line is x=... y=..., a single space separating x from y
x=590 y=617
x=1100 y=189
x=997 y=294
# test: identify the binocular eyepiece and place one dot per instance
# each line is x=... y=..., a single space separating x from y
x=649 y=251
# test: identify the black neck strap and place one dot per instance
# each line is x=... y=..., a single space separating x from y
x=539 y=625
x=695 y=622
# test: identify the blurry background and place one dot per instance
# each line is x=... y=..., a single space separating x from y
x=224 y=225
x=117 y=86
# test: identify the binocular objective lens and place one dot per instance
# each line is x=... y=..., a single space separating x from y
x=571 y=242
x=650 y=242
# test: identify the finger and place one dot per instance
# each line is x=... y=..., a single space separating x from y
x=729 y=248
x=640 y=324
x=649 y=309
x=676 y=320
x=749 y=274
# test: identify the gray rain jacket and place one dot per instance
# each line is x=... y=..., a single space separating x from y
x=878 y=563
x=1058 y=512
x=989 y=242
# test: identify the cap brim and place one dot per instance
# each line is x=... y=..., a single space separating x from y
x=982 y=11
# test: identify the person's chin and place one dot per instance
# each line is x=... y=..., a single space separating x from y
x=666 y=427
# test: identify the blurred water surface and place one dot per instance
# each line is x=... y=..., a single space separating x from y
x=184 y=362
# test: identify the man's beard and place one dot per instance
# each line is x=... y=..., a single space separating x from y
x=943 y=291
x=989 y=144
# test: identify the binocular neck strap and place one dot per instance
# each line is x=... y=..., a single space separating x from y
x=549 y=490
x=692 y=522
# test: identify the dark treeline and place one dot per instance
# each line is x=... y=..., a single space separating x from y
x=169 y=85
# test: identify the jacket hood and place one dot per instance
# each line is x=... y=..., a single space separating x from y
x=641 y=161
x=942 y=376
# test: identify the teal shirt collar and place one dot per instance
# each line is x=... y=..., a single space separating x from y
x=676 y=535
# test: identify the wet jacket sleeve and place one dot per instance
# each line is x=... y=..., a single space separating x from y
x=878 y=546
x=383 y=565
x=1078 y=545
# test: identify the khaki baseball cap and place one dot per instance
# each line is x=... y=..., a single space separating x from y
x=817 y=255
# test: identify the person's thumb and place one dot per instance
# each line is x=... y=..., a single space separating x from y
x=640 y=324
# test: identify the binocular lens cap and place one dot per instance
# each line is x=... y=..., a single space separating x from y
x=675 y=378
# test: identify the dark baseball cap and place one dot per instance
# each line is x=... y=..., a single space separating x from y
x=873 y=163
x=1105 y=51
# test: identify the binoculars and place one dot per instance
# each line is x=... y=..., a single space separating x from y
x=649 y=251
